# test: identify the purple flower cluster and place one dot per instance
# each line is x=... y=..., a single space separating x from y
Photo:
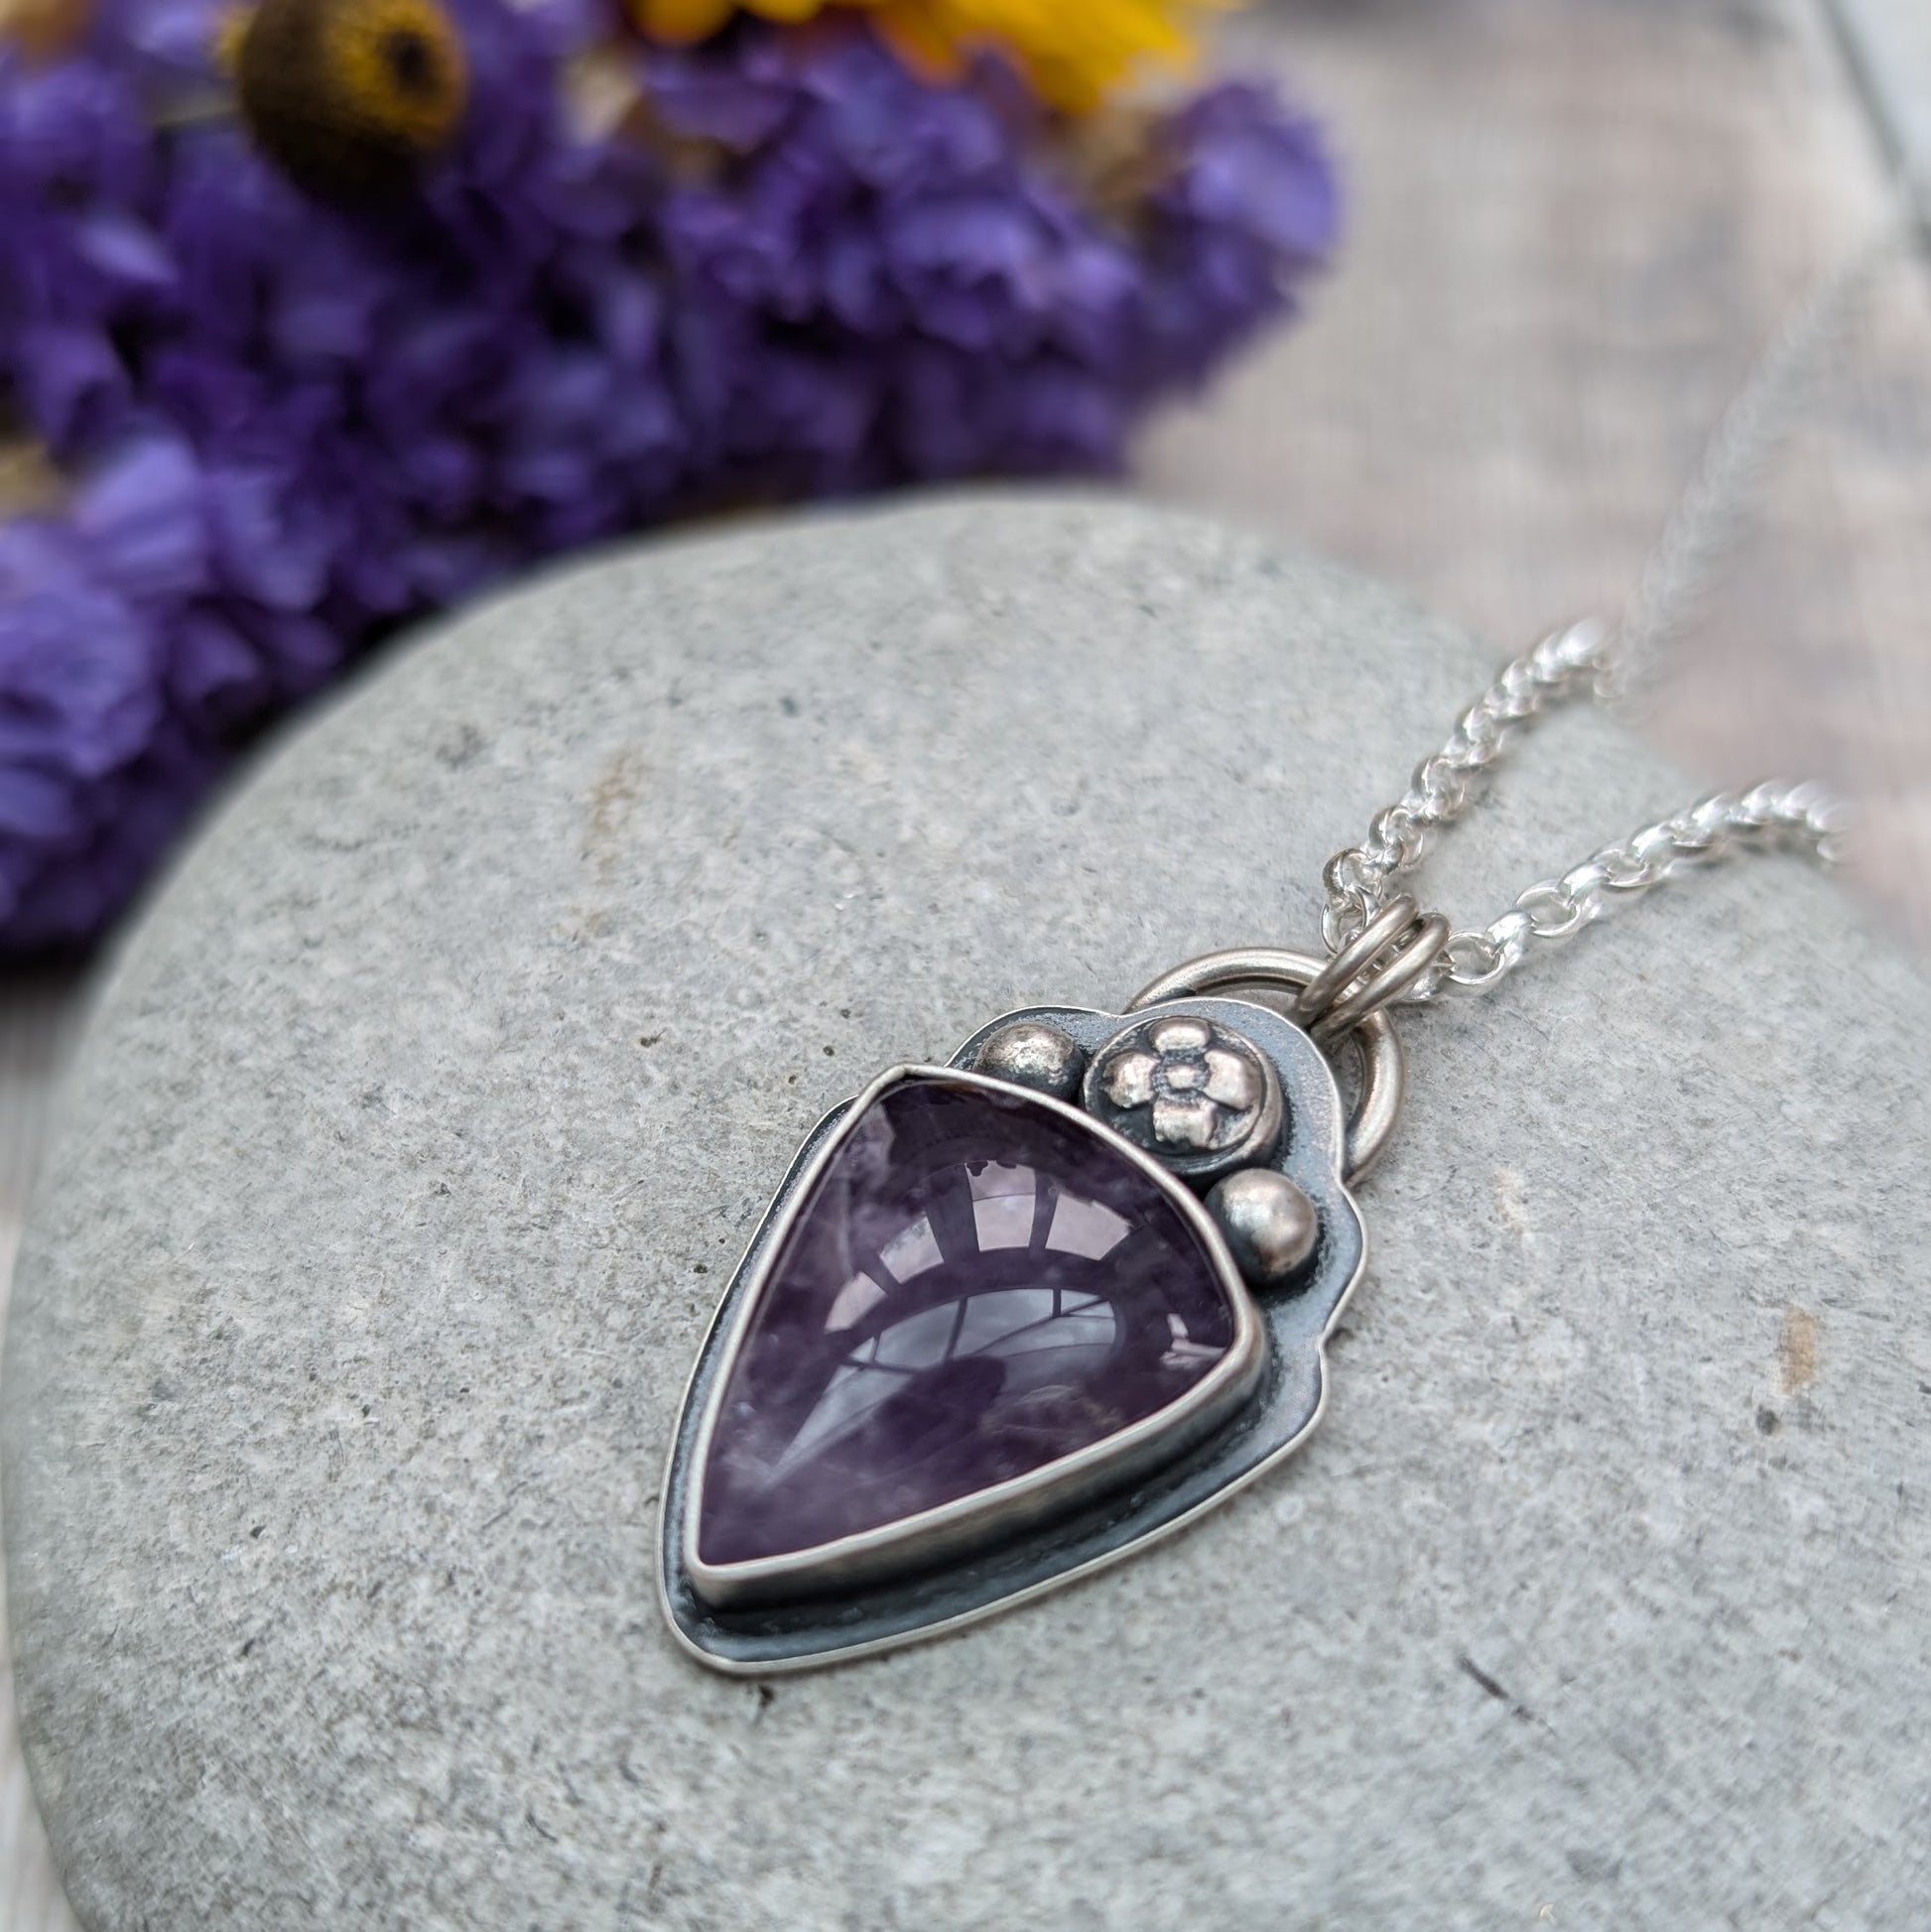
x=293 y=428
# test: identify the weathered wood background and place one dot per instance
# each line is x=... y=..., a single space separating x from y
x=1574 y=221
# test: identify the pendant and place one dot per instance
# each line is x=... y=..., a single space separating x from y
x=1014 y=1317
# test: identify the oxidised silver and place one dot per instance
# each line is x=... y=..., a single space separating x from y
x=1382 y=949
x=761 y=1639
x=1041 y=1058
x=1198 y=1097
x=1270 y=1224
x=1255 y=969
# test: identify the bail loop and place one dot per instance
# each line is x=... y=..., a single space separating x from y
x=1389 y=956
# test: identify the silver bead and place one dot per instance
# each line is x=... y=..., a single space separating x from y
x=1029 y=1053
x=1270 y=1225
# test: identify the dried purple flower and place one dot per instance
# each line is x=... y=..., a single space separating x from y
x=295 y=426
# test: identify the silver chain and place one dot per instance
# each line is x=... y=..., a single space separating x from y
x=1589 y=660
x=1804 y=816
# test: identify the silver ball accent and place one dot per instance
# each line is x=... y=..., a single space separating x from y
x=1031 y=1054
x=1268 y=1223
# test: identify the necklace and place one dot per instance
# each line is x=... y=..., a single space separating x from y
x=1016 y=1316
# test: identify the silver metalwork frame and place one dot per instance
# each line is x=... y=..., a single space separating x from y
x=1384 y=1076
x=1198 y=1167
x=952 y=1529
x=1111 y=1521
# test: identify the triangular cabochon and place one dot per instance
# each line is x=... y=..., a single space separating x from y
x=975 y=1287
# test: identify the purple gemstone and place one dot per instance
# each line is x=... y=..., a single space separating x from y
x=976 y=1286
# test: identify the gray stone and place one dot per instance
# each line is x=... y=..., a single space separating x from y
x=429 y=1106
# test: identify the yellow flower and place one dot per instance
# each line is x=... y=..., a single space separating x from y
x=1074 y=51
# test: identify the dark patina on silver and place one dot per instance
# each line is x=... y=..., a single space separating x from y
x=1197 y=1096
x=1307 y=1141
x=1235 y=1097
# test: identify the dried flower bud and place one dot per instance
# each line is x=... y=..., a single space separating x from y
x=28 y=481
x=44 y=30
x=1120 y=156
x=348 y=97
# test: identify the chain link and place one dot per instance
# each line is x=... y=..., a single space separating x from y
x=1444 y=785
x=1802 y=816
x=1574 y=663
x=1590 y=660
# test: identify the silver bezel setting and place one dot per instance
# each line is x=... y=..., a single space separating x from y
x=1286 y=1403
x=986 y=1515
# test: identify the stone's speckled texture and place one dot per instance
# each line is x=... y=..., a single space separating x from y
x=357 y=1303
x=975 y=1288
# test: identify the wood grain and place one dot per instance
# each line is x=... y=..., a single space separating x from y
x=1574 y=222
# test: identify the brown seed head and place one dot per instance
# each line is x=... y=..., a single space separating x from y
x=348 y=97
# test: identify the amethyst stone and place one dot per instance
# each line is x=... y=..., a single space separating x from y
x=978 y=1286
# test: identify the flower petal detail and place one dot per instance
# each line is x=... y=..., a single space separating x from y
x=1185 y=1123
x=779 y=265
x=1230 y=1080
x=1182 y=1035
x=1129 y=1080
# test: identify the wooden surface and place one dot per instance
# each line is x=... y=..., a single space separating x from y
x=1573 y=223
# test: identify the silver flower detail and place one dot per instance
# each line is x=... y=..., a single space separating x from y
x=1194 y=1092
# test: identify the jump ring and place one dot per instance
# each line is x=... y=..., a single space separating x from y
x=1409 y=967
x=1353 y=959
